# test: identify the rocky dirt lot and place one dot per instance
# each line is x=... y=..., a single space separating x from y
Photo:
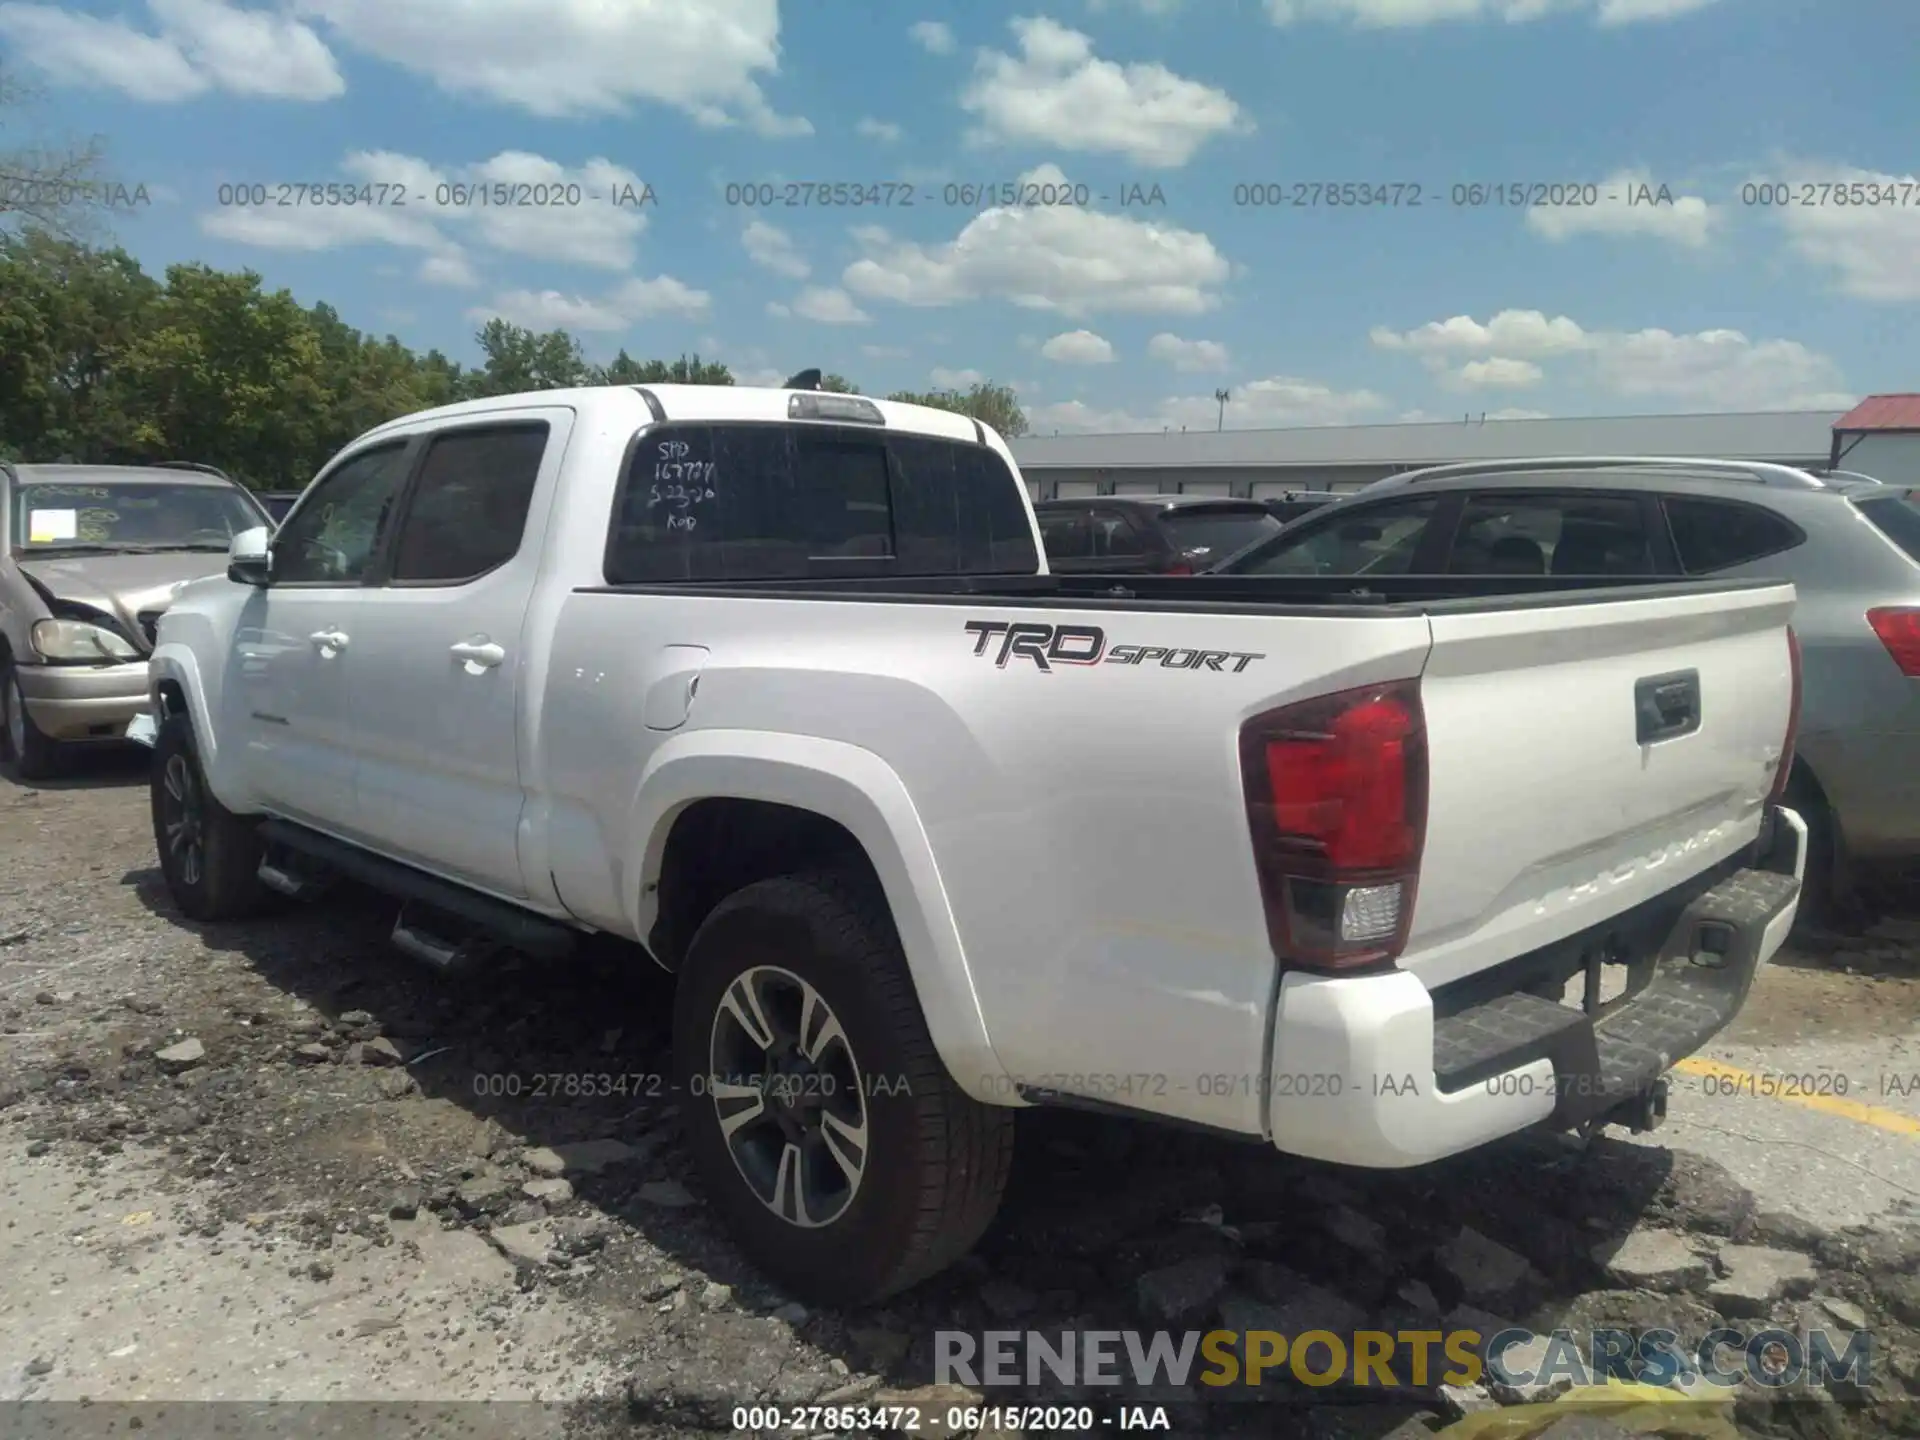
x=277 y=1162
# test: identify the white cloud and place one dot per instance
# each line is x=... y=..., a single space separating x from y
x=594 y=232
x=1393 y=14
x=1499 y=373
x=828 y=305
x=945 y=379
x=1057 y=93
x=451 y=268
x=1145 y=7
x=1512 y=413
x=777 y=311
x=1059 y=258
x=567 y=58
x=201 y=45
x=1687 y=220
x=771 y=248
x=1273 y=403
x=1190 y=356
x=882 y=130
x=1714 y=369
x=1873 y=251
x=1078 y=347
x=620 y=309
x=932 y=36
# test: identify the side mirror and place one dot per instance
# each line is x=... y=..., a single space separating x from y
x=249 y=558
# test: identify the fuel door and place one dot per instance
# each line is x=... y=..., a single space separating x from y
x=669 y=700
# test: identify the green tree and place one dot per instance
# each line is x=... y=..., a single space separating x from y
x=838 y=385
x=990 y=404
x=518 y=359
x=623 y=369
x=69 y=316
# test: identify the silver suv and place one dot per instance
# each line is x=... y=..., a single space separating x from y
x=89 y=557
x=1850 y=544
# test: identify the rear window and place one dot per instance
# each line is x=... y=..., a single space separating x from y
x=1215 y=534
x=1711 y=535
x=1897 y=517
x=769 y=501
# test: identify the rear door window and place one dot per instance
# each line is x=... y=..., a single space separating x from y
x=741 y=501
x=1710 y=535
x=1372 y=540
x=1210 y=535
x=1896 y=516
x=1114 y=536
x=1563 y=533
x=1067 y=534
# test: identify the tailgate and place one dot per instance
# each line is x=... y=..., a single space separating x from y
x=1547 y=812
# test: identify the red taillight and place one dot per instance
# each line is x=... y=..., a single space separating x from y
x=1899 y=630
x=1336 y=794
x=1178 y=567
x=1793 y=718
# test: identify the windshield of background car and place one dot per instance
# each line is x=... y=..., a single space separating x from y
x=1215 y=534
x=129 y=514
x=1896 y=516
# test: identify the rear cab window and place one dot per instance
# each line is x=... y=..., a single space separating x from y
x=1710 y=535
x=768 y=501
x=1896 y=516
x=1212 y=533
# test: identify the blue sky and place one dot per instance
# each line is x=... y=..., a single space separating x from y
x=1104 y=314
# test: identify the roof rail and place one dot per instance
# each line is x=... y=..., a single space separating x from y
x=194 y=465
x=1758 y=472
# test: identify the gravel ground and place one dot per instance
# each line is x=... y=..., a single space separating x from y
x=276 y=1162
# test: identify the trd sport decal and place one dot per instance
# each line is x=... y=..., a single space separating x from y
x=1050 y=645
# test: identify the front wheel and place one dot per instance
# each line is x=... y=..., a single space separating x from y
x=210 y=856
x=830 y=1137
x=33 y=754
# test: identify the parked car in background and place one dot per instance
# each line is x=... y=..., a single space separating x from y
x=1850 y=545
x=92 y=556
x=1296 y=504
x=278 y=502
x=1148 y=534
x=772 y=684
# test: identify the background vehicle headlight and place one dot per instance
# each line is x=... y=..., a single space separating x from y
x=79 y=642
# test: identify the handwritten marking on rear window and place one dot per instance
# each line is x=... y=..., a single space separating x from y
x=679 y=480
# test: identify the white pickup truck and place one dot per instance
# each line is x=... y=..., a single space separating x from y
x=775 y=684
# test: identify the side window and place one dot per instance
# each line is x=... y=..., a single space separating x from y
x=469 y=507
x=1067 y=534
x=1570 y=533
x=770 y=501
x=1114 y=537
x=333 y=537
x=1377 y=540
x=1711 y=535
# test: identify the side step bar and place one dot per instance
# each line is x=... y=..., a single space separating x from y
x=520 y=929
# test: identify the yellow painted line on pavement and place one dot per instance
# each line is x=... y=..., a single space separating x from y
x=1774 y=1087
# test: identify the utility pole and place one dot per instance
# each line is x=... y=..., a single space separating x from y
x=1222 y=396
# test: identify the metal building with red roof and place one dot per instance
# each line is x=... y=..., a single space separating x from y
x=1880 y=437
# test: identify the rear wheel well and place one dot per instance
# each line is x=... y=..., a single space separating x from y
x=173 y=699
x=721 y=845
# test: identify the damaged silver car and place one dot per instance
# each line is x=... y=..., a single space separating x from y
x=92 y=555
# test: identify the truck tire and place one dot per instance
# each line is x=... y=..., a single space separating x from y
x=775 y=1118
x=29 y=750
x=209 y=855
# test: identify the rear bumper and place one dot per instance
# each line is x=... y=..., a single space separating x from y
x=84 y=702
x=1368 y=1071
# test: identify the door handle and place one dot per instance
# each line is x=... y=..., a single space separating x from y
x=328 y=640
x=477 y=655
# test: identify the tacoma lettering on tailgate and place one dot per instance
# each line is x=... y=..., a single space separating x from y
x=1050 y=645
